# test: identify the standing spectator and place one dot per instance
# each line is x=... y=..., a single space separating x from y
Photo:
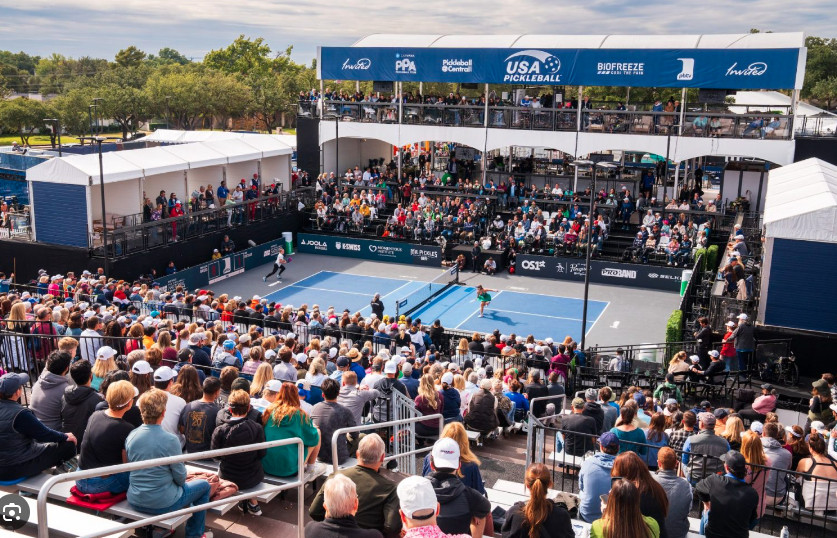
x=653 y=501
x=244 y=470
x=462 y=509
x=284 y=419
x=678 y=491
x=48 y=391
x=162 y=488
x=340 y=502
x=197 y=421
x=329 y=416
x=583 y=426
x=79 y=402
x=104 y=441
x=719 y=493
x=28 y=447
x=378 y=503
x=594 y=477
x=90 y=339
x=377 y=306
x=538 y=515
x=703 y=337
x=622 y=517
x=702 y=452
x=428 y=402
x=419 y=508
x=744 y=337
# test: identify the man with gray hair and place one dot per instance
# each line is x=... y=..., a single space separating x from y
x=377 y=498
x=340 y=502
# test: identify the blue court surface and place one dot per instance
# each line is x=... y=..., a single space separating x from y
x=457 y=308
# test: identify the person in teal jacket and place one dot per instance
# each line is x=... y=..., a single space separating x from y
x=627 y=431
x=162 y=488
x=285 y=420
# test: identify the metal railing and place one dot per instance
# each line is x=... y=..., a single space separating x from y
x=299 y=484
x=805 y=506
x=126 y=240
x=697 y=124
x=403 y=464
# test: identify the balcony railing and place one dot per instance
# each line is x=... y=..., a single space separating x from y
x=695 y=124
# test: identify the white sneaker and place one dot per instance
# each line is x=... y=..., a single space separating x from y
x=314 y=469
x=264 y=279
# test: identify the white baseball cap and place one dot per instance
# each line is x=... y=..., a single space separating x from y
x=391 y=367
x=274 y=385
x=416 y=494
x=743 y=316
x=447 y=377
x=445 y=454
x=142 y=368
x=163 y=373
x=714 y=353
x=730 y=324
x=105 y=352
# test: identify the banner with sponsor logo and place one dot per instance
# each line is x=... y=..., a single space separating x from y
x=207 y=274
x=368 y=249
x=646 y=68
x=620 y=274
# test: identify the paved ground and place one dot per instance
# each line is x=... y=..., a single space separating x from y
x=633 y=316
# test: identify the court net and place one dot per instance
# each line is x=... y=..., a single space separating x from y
x=422 y=296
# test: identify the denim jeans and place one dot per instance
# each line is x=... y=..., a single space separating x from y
x=115 y=483
x=194 y=492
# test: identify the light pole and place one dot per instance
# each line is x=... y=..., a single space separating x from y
x=56 y=127
x=90 y=120
x=99 y=140
x=96 y=102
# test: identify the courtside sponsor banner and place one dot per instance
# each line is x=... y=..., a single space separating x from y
x=368 y=249
x=691 y=68
x=621 y=274
x=215 y=271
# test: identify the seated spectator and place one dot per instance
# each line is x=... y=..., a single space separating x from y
x=469 y=464
x=536 y=389
x=579 y=430
x=377 y=500
x=677 y=438
x=29 y=447
x=668 y=390
x=462 y=509
x=521 y=403
x=329 y=416
x=653 y=501
x=79 y=401
x=796 y=444
x=352 y=396
x=481 y=415
x=419 y=509
x=610 y=412
x=340 y=502
x=772 y=437
x=197 y=421
x=766 y=403
x=162 y=488
x=621 y=516
x=284 y=419
x=627 y=431
x=753 y=452
x=244 y=470
x=538 y=515
x=733 y=430
x=678 y=491
x=818 y=465
x=48 y=391
x=594 y=477
x=164 y=380
x=104 y=441
x=490 y=266
x=593 y=409
x=451 y=399
x=655 y=435
x=720 y=492
x=702 y=452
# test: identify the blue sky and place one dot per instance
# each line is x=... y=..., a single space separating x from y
x=194 y=27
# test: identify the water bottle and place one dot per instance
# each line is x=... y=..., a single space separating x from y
x=785 y=532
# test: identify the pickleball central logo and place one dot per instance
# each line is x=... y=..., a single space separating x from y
x=14 y=512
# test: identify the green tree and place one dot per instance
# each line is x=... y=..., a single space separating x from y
x=821 y=63
x=825 y=90
x=244 y=56
x=167 y=56
x=130 y=57
x=72 y=110
x=126 y=105
x=24 y=116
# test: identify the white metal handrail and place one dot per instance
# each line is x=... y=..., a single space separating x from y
x=363 y=427
x=299 y=484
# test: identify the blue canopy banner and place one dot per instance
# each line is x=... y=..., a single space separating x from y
x=648 y=68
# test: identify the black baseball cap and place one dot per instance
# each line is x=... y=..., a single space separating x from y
x=735 y=461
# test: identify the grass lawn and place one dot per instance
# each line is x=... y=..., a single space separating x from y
x=36 y=140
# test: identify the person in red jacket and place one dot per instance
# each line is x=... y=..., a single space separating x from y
x=728 y=349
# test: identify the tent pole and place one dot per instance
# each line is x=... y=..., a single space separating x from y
x=682 y=111
x=792 y=119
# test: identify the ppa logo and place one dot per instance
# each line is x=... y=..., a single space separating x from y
x=405 y=64
x=532 y=66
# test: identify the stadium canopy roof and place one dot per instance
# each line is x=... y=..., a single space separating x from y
x=267 y=142
x=801 y=202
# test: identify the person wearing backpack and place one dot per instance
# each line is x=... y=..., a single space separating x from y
x=668 y=389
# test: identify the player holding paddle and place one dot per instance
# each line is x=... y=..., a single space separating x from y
x=278 y=265
x=483 y=297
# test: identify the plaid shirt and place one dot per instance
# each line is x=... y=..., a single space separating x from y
x=678 y=438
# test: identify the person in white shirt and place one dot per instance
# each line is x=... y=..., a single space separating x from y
x=278 y=265
x=163 y=380
x=91 y=338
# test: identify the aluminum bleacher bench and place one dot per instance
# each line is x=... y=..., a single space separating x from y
x=517 y=488
x=65 y=521
x=61 y=491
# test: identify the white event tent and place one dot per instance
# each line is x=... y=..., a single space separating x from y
x=178 y=168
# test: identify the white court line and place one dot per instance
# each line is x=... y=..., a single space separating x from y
x=477 y=311
x=326 y=289
x=290 y=285
x=532 y=314
x=601 y=315
x=388 y=294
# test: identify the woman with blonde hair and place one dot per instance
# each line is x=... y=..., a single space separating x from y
x=182 y=339
x=753 y=452
x=732 y=432
x=169 y=354
x=464 y=396
x=105 y=362
x=316 y=372
x=469 y=464
x=538 y=516
x=679 y=363
x=284 y=419
x=462 y=352
x=428 y=402
x=264 y=373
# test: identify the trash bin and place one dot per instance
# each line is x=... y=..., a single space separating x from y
x=684 y=281
x=289 y=242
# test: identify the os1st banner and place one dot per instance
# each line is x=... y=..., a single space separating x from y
x=648 y=68
x=620 y=274
x=367 y=249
